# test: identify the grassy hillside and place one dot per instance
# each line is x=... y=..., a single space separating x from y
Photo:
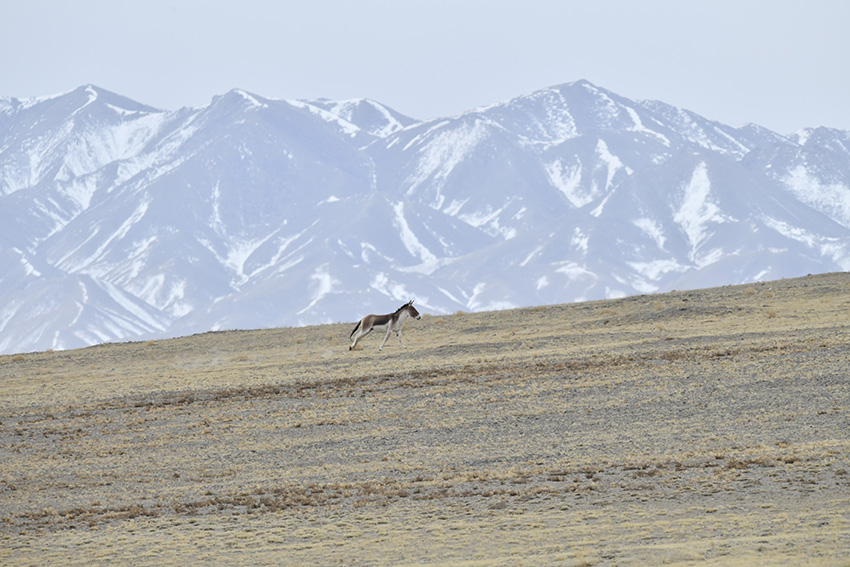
x=703 y=426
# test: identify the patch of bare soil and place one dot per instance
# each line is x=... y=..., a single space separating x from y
x=705 y=427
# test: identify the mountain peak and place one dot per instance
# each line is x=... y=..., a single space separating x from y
x=585 y=84
x=368 y=115
x=239 y=97
x=89 y=94
x=79 y=98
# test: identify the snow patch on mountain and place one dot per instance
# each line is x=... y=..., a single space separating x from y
x=832 y=198
x=444 y=151
x=557 y=124
x=609 y=161
x=323 y=284
x=639 y=128
x=575 y=272
x=429 y=262
x=837 y=250
x=393 y=289
x=345 y=126
x=566 y=178
x=656 y=269
x=697 y=210
x=653 y=229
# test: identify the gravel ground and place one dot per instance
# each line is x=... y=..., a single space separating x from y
x=705 y=427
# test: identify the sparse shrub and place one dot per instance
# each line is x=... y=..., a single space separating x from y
x=763 y=461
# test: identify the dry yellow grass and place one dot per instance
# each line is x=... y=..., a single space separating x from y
x=702 y=427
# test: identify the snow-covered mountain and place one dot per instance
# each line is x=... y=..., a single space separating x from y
x=119 y=221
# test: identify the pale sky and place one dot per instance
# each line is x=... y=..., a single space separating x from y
x=782 y=64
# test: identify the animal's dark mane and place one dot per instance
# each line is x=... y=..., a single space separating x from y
x=397 y=311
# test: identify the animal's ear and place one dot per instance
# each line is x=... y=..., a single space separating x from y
x=411 y=302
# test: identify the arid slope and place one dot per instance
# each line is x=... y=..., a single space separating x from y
x=704 y=426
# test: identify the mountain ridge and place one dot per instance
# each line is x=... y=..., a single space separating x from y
x=256 y=212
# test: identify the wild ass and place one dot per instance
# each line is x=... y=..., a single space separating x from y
x=391 y=322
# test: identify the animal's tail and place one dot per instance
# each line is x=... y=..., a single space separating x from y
x=355 y=328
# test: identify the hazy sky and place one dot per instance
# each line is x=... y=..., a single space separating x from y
x=782 y=64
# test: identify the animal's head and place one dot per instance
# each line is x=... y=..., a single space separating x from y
x=412 y=310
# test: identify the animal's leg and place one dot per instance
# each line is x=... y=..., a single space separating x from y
x=389 y=330
x=357 y=338
x=398 y=334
